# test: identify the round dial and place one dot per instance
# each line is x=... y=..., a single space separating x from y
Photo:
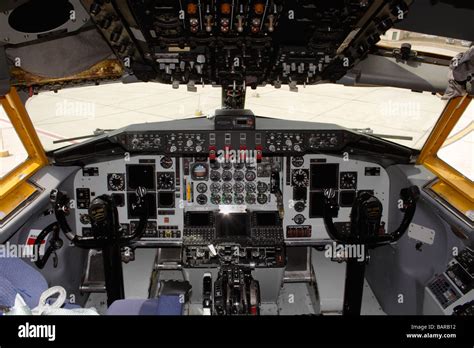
x=239 y=165
x=226 y=175
x=299 y=219
x=215 y=187
x=165 y=181
x=199 y=171
x=239 y=198
x=300 y=178
x=297 y=161
x=226 y=165
x=250 y=164
x=238 y=175
x=262 y=187
x=166 y=162
x=201 y=199
x=262 y=198
x=299 y=206
x=227 y=198
x=250 y=187
x=239 y=187
x=215 y=175
x=215 y=198
x=116 y=182
x=215 y=165
x=201 y=187
x=227 y=187
x=348 y=180
x=250 y=198
x=250 y=175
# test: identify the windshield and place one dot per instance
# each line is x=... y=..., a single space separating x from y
x=398 y=115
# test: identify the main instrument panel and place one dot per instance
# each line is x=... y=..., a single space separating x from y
x=230 y=188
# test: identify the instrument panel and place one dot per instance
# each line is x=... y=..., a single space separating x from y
x=277 y=200
x=238 y=188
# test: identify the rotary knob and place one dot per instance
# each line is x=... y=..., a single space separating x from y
x=288 y=142
x=189 y=143
x=272 y=148
x=198 y=148
x=333 y=140
x=173 y=148
x=135 y=142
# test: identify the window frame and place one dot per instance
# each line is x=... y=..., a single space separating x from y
x=451 y=185
x=14 y=188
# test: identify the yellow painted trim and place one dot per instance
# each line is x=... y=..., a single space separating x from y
x=22 y=124
x=454 y=187
x=15 y=198
x=457 y=200
x=448 y=119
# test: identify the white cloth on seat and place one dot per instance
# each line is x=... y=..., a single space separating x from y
x=43 y=308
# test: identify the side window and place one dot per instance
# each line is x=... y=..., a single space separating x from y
x=458 y=148
x=12 y=150
x=448 y=153
x=21 y=155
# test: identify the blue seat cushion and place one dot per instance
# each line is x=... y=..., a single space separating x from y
x=18 y=277
x=163 y=305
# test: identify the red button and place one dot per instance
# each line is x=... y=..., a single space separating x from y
x=259 y=149
x=167 y=220
x=212 y=153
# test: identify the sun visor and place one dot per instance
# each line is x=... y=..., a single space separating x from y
x=61 y=57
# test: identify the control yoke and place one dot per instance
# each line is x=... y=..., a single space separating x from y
x=103 y=215
x=366 y=215
x=107 y=235
x=366 y=230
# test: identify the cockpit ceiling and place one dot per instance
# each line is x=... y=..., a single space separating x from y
x=243 y=42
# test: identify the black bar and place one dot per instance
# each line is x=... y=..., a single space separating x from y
x=354 y=287
x=113 y=273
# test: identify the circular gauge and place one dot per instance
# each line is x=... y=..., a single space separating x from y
x=239 y=198
x=299 y=206
x=348 y=180
x=239 y=187
x=239 y=165
x=215 y=198
x=299 y=219
x=227 y=198
x=199 y=171
x=215 y=165
x=201 y=199
x=262 y=187
x=250 y=163
x=166 y=162
x=250 y=187
x=250 y=175
x=250 y=198
x=165 y=181
x=201 y=187
x=262 y=198
x=300 y=178
x=226 y=165
x=227 y=187
x=215 y=175
x=215 y=187
x=297 y=161
x=116 y=182
x=226 y=175
x=238 y=175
